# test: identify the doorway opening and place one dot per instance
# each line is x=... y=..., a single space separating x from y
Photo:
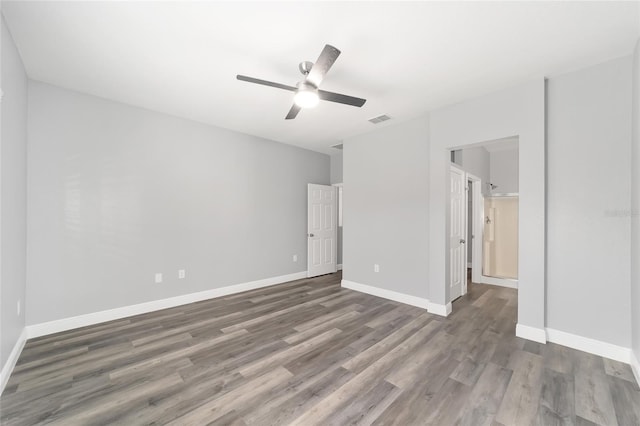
x=483 y=215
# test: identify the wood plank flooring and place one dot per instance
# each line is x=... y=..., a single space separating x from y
x=311 y=353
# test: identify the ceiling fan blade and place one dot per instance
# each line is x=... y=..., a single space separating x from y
x=340 y=98
x=295 y=109
x=326 y=59
x=265 y=82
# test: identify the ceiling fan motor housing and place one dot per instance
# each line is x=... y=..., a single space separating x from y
x=305 y=67
x=305 y=85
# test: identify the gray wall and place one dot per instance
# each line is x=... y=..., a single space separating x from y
x=118 y=193
x=386 y=208
x=504 y=171
x=477 y=162
x=635 y=209
x=336 y=167
x=13 y=169
x=588 y=195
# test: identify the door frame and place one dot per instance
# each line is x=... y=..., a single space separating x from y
x=339 y=223
x=477 y=227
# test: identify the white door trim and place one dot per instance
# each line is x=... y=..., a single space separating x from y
x=340 y=187
x=477 y=228
x=502 y=282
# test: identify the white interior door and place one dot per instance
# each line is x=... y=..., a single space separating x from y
x=457 y=233
x=322 y=231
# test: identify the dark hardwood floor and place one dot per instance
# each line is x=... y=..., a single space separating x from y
x=309 y=352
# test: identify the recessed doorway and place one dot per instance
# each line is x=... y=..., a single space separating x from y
x=483 y=222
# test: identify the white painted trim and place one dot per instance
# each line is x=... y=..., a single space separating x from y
x=478 y=230
x=8 y=366
x=635 y=366
x=585 y=344
x=386 y=294
x=437 y=309
x=502 y=282
x=531 y=333
x=454 y=168
x=339 y=266
x=64 y=324
x=503 y=195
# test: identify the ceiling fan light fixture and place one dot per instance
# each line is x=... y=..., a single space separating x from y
x=306 y=92
x=306 y=96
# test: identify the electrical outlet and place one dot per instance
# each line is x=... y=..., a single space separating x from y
x=295 y=257
x=18 y=310
x=181 y=274
x=376 y=268
x=158 y=278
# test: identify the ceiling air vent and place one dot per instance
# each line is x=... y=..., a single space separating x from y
x=380 y=119
x=339 y=146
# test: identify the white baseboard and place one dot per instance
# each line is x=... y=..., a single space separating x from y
x=386 y=294
x=502 y=282
x=585 y=344
x=531 y=333
x=339 y=266
x=64 y=324
x=437 y=309
x=8 y=366
x=635 y=366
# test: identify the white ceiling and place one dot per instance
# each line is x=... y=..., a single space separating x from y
x=407 y=58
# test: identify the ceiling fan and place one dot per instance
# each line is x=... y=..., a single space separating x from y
x=306 y=91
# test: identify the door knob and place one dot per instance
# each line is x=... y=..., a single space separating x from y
x=462 y=241
x=311 y=235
